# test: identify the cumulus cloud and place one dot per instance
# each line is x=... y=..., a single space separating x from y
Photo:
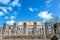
x=45 y=15
x=1 y=13
x=16 y=3
x=12 y=17
x=33 y=9
x=48 y=3
x=9 y=8
x=11 y=22
x=4 y=1
x=11 y=5
x=4 y=9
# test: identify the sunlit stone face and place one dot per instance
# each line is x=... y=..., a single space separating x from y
x=20 y=23
x=30 y=23
x=39 y=23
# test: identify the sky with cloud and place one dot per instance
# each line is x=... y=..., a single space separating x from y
x=25 y=10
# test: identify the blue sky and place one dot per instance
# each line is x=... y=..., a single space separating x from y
x=25 y=10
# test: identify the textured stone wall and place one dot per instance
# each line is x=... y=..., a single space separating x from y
x=26 y=39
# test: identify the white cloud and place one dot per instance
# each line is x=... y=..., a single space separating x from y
x=48 y=3
x=1 y=13
x=45 y=15
x=11 y=4
x=4 y=1
x=12 y=17
x=15 y=3
x=33 y=9
x=4 y=9
x=11 y=22
x=9 y=8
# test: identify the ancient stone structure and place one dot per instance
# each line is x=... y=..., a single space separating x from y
x=26 y=29
x=23 y=28
x=30 y=27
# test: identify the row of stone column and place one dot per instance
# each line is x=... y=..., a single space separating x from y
x=55 y=29
x=34 y=31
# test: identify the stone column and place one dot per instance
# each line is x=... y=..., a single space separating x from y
x=46 y=29
x=24 y=28
x=34 y=28
x=58 y=30
x=44 y=34
x=58 y=27
x=52 y=30
x=14 y=28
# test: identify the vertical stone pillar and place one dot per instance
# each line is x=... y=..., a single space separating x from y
x=5 y=28
x=46 y=29
x=44 y=34
x=57 y=30
x=14 y=27
x=40 y=31
x=24 y=28
x=34 y=28
x=43 y=29
x=1 y=33
x=52 y=30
